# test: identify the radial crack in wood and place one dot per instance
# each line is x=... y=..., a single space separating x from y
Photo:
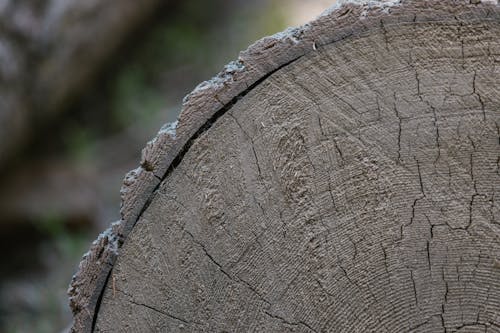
x=339 y=177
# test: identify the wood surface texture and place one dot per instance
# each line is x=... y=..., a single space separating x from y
x=339 y=177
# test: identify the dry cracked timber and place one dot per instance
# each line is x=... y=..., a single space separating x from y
x=342 y=176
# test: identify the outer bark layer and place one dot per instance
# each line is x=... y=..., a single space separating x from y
x=343 y=176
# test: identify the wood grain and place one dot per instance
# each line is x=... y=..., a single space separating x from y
x=340 y=177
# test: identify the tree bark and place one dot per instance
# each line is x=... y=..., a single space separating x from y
x=342 y=176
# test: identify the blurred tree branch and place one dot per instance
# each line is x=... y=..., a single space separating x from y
x=50 y=51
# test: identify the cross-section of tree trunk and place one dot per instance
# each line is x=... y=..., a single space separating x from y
x=339 y=177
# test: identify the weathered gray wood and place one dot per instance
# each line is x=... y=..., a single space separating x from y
x=339 y=177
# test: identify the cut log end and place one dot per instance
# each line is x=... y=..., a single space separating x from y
x=342 y=177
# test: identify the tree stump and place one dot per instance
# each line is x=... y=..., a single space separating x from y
x=339 y=177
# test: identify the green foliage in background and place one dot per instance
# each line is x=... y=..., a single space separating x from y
x=188 y=47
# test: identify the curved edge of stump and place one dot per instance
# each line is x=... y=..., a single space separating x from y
x=213 y=98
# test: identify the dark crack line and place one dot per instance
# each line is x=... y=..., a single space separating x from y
x=428 y=250
x=413 y=328
x=337 y=148
x=396 y=111
x=160 y=311
x=384 y=32
x=320 y=124
x=415 y=202
x=356 y=285
x=386 y=264
x=223 y=271
x=297 y=323
x=252 y=143
x=474 y=91
x=99 y=301
x=414 y=288
x=462 y=42
x=417 y=78
x=208 y=254
x=474 y=186
x=131 y=300
x=436 y=126
x=248 y=248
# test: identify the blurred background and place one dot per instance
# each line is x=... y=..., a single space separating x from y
x=83 y=86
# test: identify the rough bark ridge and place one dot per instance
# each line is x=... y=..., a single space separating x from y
x=342 y=176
